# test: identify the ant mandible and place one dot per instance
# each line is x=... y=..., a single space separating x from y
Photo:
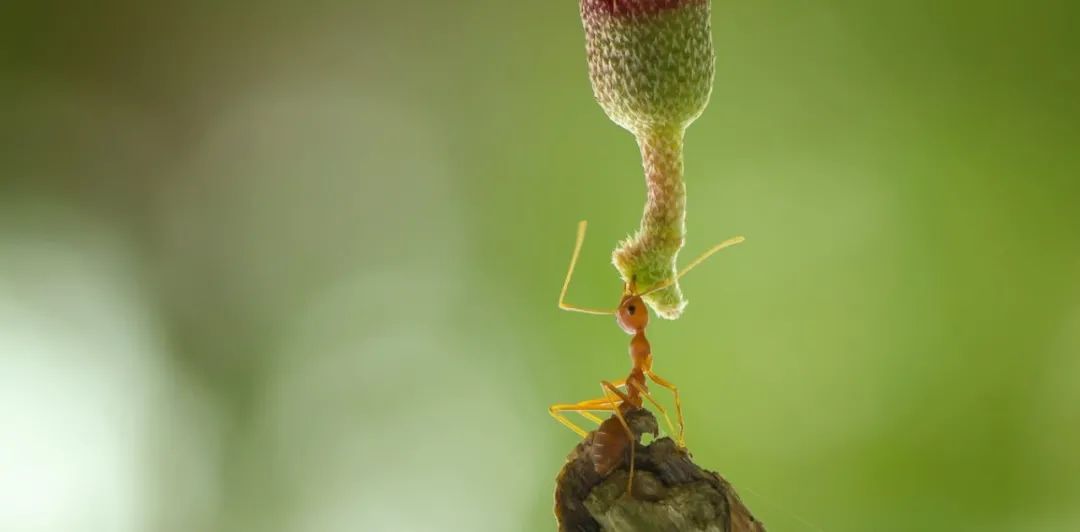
x=632 y=316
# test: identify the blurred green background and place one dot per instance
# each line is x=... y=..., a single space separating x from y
x=293 y=266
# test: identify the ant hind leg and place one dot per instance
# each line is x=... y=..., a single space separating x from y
x=678 y=404
x=663 y=412
x=584 y=410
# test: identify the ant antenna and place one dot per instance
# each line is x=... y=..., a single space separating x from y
x=569 y=273
x=664 y=284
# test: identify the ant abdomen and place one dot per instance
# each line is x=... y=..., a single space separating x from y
x=609 y=446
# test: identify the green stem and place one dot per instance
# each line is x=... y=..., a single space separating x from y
x=649 y=256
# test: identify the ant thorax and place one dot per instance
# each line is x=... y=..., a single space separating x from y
x=640 y=351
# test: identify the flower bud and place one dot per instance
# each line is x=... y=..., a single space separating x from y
x=651 y=62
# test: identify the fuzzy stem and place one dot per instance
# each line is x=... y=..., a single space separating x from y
x=664 y=219
x=649 y=256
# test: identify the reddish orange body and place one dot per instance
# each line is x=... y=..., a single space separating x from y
x=613 y=437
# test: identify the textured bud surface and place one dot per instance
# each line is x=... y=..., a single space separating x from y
x=650 y=61
x=651 y=64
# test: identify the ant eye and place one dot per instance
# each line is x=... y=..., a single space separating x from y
x=629 y=317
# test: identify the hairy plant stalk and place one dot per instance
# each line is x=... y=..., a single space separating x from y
x=649 y=256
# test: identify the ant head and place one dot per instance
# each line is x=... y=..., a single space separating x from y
x=632 y=314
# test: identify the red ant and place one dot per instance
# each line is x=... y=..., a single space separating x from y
x=614 y=434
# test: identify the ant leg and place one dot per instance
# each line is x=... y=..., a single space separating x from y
x=590 y=416
x=607 y=386
x=582 y=408
x=570 y=273
x=591 y=405
x=602 y=404
x=678 y=403
x=645 y=393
